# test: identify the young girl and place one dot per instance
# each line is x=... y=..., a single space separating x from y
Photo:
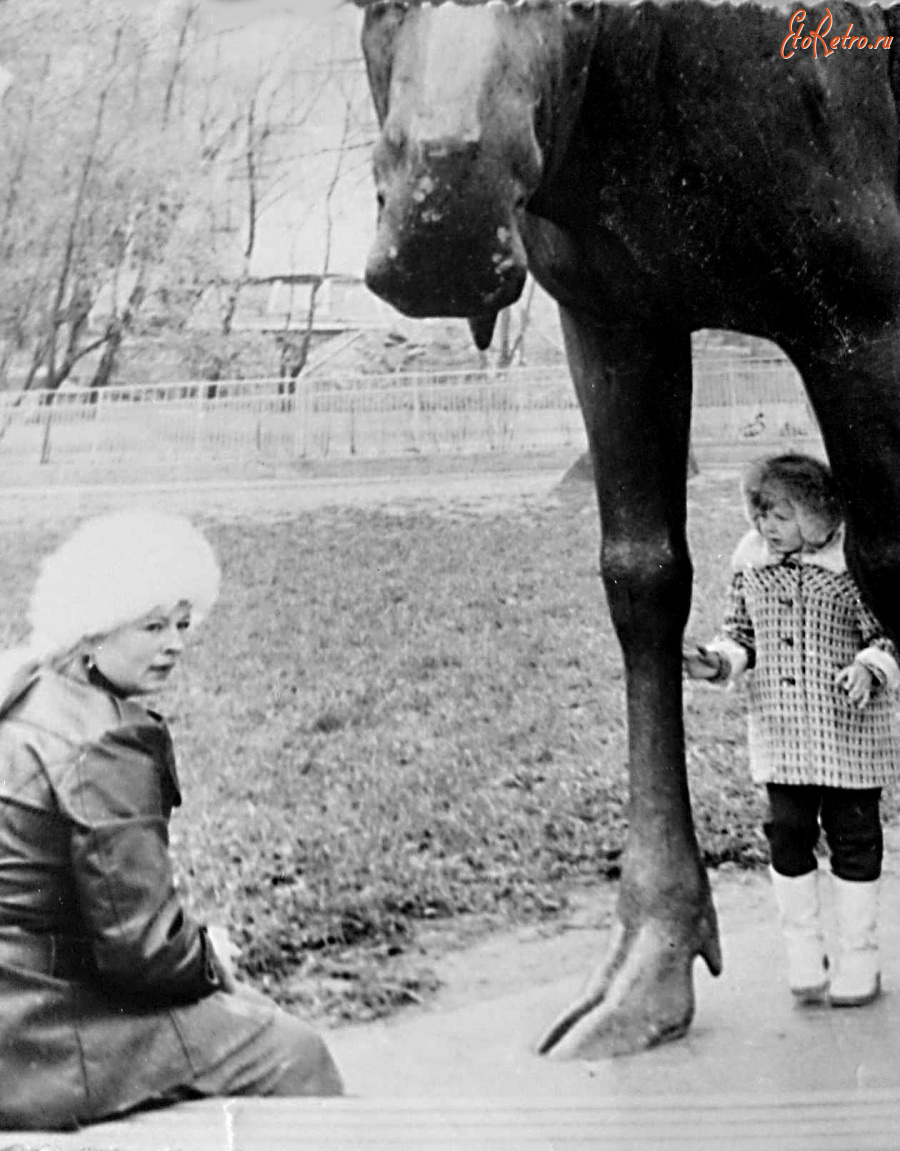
x=821 y=729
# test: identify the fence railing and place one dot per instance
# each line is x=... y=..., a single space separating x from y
x=183 y=428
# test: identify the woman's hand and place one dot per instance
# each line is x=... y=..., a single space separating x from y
x=698 y=663
x=857 y=681
x=226 y=953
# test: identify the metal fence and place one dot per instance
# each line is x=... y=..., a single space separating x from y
x=221 y=428
x=738 y=398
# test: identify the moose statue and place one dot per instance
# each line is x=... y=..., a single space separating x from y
x=659 y=167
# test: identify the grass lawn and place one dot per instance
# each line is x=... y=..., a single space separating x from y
x=398 y=718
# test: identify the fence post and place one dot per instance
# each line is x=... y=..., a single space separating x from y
x=516 y=430
x=415 y=411
x=292 y=393
x=732 y=395
x=45 y=443
x=95 y=399
x=198 y=418
x=304 y=407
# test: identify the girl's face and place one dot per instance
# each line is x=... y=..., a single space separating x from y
x=778 y=524
x=139 y=657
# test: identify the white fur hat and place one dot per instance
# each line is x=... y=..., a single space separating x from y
x=113 y=570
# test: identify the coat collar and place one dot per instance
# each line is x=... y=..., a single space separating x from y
x=754 y=552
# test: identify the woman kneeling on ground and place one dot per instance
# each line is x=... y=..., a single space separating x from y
x=111 y=996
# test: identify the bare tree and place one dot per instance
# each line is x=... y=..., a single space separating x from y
x=272 y=109
x=293 y=360
x=126 y=157
x=83 y=203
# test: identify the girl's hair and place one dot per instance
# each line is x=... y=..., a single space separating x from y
x=805 y=483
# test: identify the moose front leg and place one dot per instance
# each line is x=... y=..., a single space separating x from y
x=635 y=392
x=853 y=389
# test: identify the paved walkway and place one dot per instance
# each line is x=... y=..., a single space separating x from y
x=748 y=1037
x=267 y=500
x=755 y=1071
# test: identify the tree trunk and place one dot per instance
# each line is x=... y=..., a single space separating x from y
x=116 y=330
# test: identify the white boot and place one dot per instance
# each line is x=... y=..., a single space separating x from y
x=857 y=979
x=798 y=906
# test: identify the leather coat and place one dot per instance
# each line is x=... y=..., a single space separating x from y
x=87 y=789
x=109 y=991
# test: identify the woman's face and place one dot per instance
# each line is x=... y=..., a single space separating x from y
x=139 y=657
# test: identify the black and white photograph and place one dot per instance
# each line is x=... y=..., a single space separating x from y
x=450 y=567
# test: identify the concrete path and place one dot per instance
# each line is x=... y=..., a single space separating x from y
x=267 y=500
x=748 y=1036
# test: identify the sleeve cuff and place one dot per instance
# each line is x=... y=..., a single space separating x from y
x=882 y=665
x=735 y=653
x=215 y=973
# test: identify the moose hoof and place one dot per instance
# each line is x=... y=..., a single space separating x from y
x=642 y=995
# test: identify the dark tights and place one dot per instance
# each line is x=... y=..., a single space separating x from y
x=849 y=818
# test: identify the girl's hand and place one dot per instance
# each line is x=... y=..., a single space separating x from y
x=857 y=681
x=698 y=663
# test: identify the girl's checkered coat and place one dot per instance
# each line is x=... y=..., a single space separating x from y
x=794 y=623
